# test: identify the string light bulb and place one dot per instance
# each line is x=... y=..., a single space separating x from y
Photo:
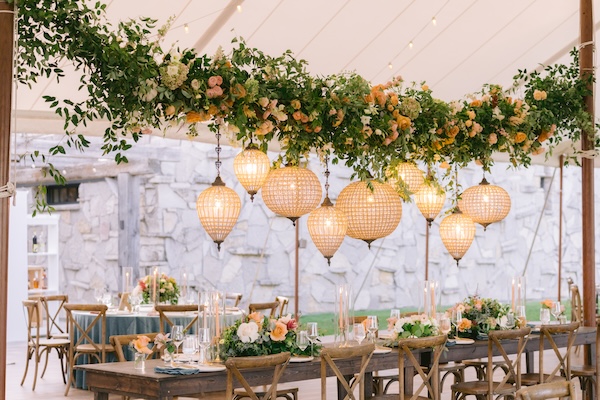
x=186 y=28
x=390 y=66
x=433 y=21
x=239 y=8
x=410 y=45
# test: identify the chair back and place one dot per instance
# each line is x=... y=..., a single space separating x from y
x=430 y=379
x=233 y=298
x=120 y=341
x=235 y=364
x=552 y=390
x=513 y=366
x=165 y=319
x=84 y=332
x=283 y=305
x=270 y=308
x=31 y=309
x=53 y=308
x=328 y=357
x=563 y=354
x=576 y=305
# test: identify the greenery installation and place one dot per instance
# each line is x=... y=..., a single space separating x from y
x=130 y=81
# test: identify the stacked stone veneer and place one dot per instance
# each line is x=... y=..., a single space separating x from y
x=257 y=259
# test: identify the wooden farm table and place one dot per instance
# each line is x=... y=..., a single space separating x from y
x=123 y=379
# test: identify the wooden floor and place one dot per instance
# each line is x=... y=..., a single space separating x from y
x=51 y=387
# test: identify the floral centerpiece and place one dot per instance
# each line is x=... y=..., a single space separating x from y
x=414 y=326
x=140 y=345
x=257 y=335
x=480 y=315
x=549 y=304
x=166 y=286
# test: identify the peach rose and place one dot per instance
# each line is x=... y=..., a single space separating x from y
x=465 y=325
x=547 y=304
x=141 y=344
x=279 y=332
x=520 y=137
x=170 y=110
x=493 y=138
x=256 y=317
x=476 y=103
x=424 y=88
x=539 y=95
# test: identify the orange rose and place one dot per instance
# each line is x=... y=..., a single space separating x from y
x=476 y=103
x=297 y=115
x=279 y=332
x=238 y=90
x=464 y=325
x=212 y=109
x=520 y=137
x=547 y=304
x=403 y=122
x=170 y=110
x=192 y=117
x=256 y=317
x=296 y=104
x=424 y=88
x=141 y=344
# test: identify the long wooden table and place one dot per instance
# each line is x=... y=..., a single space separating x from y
x=123 y=379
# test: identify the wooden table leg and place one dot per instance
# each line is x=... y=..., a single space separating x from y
x=100 y=396
x=529 y=362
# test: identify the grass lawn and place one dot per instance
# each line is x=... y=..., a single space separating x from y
x=326 y=322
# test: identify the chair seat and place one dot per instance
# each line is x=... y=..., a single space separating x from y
x=481 y=388
x=583 y=370
x=60 y=336
x=289 y=394
x=395 y=397
x=534 y=379
x=53 y=342
x=90 y=348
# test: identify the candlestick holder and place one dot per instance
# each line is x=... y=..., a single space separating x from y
x=343 y=309
x=429 y=293
x=517 y=292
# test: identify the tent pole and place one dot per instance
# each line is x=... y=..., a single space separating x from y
x=586 y=66
x=426 y=250
x=560 y=222
x=6 y=86
x=297 y=269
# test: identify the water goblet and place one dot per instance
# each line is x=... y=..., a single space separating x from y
x=556 y=310
x=444 y=324
x=302 y=340
x=456 y=320
x=99 y=294
x=189 y=347
x=313 y=333
x=545 y=315
x=135 y=300
x=359 y=333
x=203 y=343
x=395 y=313
x=177 y=336
x=372 y=326
x=522 y=316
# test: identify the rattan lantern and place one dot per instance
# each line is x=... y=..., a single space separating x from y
x=292 y=192
x=430 y=200
x=457 y=231
x=251 y=167
x=327 y=225
x=410 y=175
x=218 y=206
x=485 y=203
x=372 y=213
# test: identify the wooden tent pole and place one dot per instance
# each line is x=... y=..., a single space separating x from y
x=560 y=222
x=586 y=66
x=6 y=84
x=426 y=250
x=297 y=269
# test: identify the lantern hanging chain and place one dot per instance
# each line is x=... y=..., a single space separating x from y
x=326 y=176
x=218 y=150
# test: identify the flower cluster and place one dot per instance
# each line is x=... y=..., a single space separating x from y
x=163 y=340
x=480 y=315
x=549 y=304
x=140 y=344
x=167 y=288
x=260 y=335
x=414 y=326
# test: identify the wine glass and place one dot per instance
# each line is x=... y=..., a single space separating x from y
x=456 y=320
x=556 y=310
x=444 y=324
x=99 y=294
x=359 y=332
x=372 y=326
x=189 y=347
x=544 y=316
x=522 y=316
x=395 y=313
x=302 y=340
x=177 y=336
x=135 y=300
x=313 y=334
x=203 y=342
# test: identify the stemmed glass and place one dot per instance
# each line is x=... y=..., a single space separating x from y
x=395 y=313
x=522 y=316
x=456 y=320
x=203 y=342
x=556 y=310
x=359 y=332
x=444 y=324
x=313 y=334
x=135 y=300
x=98 y=294
x=372 y=326
x=302 y=340
x=177 y=336
x=190 y=346
x=544 y=316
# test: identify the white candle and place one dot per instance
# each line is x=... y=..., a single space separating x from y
x=217 y=327
x=154 y=281
x=184 y=290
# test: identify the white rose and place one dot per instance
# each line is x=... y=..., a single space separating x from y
x=248 y=332
x=172 y=70
x=366 y=120
x=398 y=326
x=285 y=319
x=195 y=84
x=502 y=321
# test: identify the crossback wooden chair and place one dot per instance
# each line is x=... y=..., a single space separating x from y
x=38 y=344
x=563 y=355
x=234 y=299
x=430 y=385
x=576 y=305
x=236 y=365
x=544 y=391
x=166 y=322
x=121 y=341
x=81 y=342
x=329 y=355
x=53 y=309
x=489 y=388
x=589 y=375
x=269 y=309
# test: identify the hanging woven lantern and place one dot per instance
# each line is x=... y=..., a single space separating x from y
x=327 y=227
x=485 y=203
x=457 y=231
x=251 y=167
x=218 y=209
x=410 y=175
x=372 y=213
x=292 y=192
x=430 y=200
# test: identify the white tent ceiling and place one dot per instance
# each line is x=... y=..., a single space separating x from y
x=472 y=42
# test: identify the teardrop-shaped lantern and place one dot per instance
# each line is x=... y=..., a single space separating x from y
x=485 y=203
x=372 y=213
x=430 y=199
x=410 y=175
x=251 y=167
x=327 y=226
x=292 y=191
x=218 y=208
x=457 y=231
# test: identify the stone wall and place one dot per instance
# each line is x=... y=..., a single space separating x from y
x=257 y=259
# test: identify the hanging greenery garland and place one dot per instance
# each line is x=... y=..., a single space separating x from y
x=130 y=81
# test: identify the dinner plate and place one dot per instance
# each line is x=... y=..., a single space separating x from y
x=211 y=367
x=382 y=350
x=464 y=341
x=299 y=359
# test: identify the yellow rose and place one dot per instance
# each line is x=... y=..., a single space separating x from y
x=539 y=95
x=296 y=104
x=279 y=332
x=170 y=110
x=476 y=103
x=424 y=88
